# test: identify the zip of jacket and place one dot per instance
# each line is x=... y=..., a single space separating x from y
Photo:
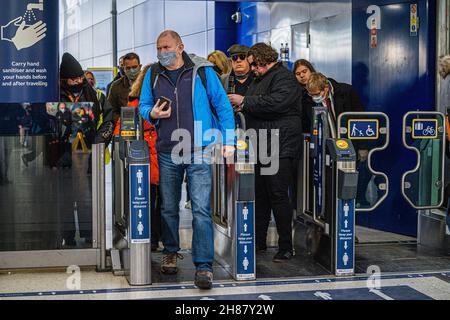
x=176 y=90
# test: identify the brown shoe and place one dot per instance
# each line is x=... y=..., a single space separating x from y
x=169 y=263
x=203 y=279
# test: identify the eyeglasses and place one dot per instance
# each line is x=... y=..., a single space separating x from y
x=240 y=56
x=253 y=64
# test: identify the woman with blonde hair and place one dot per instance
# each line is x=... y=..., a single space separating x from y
x=221 y=62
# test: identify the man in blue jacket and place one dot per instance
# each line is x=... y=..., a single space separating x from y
x=194 y=102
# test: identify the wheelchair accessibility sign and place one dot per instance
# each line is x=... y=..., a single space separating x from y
x=367 y=129
x=425 y=129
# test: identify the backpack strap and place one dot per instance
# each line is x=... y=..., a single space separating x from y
x=155 y=71
x=202 y=75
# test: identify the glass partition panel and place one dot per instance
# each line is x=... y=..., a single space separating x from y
x=45 y=183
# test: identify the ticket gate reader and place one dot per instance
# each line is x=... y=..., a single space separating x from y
x=133 y=227
x=128 y=132
x=233 y=205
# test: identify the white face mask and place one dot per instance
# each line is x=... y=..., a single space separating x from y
x=318 y=99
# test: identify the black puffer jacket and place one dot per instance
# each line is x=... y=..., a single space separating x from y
x=273 y=101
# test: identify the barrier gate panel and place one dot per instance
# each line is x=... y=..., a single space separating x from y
x=369 y=133
x=424 y=133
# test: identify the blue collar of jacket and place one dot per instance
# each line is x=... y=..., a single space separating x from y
x=188 y=64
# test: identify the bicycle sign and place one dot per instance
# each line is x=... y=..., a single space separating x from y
x=425 y=129
x=367 y=129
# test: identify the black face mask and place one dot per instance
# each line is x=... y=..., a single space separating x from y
x=72 y=89
x=242 y=76
x=76 y=89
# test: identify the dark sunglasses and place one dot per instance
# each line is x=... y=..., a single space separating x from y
x=254 y=64
x=240 y=56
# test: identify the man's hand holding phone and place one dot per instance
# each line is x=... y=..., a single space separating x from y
x=162 y=109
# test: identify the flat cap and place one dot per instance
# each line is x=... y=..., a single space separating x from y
x=238 y=49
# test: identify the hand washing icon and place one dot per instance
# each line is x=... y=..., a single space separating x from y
x=24 y=31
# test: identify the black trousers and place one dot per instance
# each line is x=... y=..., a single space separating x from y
x=273 y=194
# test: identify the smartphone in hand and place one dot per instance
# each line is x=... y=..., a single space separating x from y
x=168 y=102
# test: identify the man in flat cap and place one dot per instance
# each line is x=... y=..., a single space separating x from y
x=240 y=78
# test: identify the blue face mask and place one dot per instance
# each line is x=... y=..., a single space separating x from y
x=167 y=58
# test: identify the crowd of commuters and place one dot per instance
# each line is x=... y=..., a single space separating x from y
x=194 y=94
x=253 y=82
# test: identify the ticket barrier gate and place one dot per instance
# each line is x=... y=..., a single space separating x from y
x=233 y=206
x=335 y=250
x=131 y=220
x=329 y=187
x=423 y=187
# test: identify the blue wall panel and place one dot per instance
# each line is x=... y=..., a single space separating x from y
x=225 y=28
x=396 y=77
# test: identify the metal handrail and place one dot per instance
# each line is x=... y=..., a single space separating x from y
x=98 y=200
x=242 y=120
x=305 y=191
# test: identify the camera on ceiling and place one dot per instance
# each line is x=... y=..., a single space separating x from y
x=237 y=16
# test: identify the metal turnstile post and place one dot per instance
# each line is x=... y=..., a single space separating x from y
x=98 y=196
x=336 y=250
x=132 y=253
x=137 y=256
x=233 y=202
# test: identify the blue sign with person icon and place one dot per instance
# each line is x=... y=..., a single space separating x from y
x=140 y=203
x=345 y=235
x=245 y=244
x=367 y=129
x=425 y=129
x=29 y=46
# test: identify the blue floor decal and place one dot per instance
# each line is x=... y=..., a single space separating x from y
x=386 y=293
x=243 y=285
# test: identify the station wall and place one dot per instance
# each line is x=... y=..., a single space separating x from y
x=85 y=28
x=395 y=77
x=320 y=32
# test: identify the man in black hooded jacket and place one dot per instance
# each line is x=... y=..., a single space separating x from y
x=75 y=88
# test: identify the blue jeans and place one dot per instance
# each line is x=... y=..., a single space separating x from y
x=199 y=178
